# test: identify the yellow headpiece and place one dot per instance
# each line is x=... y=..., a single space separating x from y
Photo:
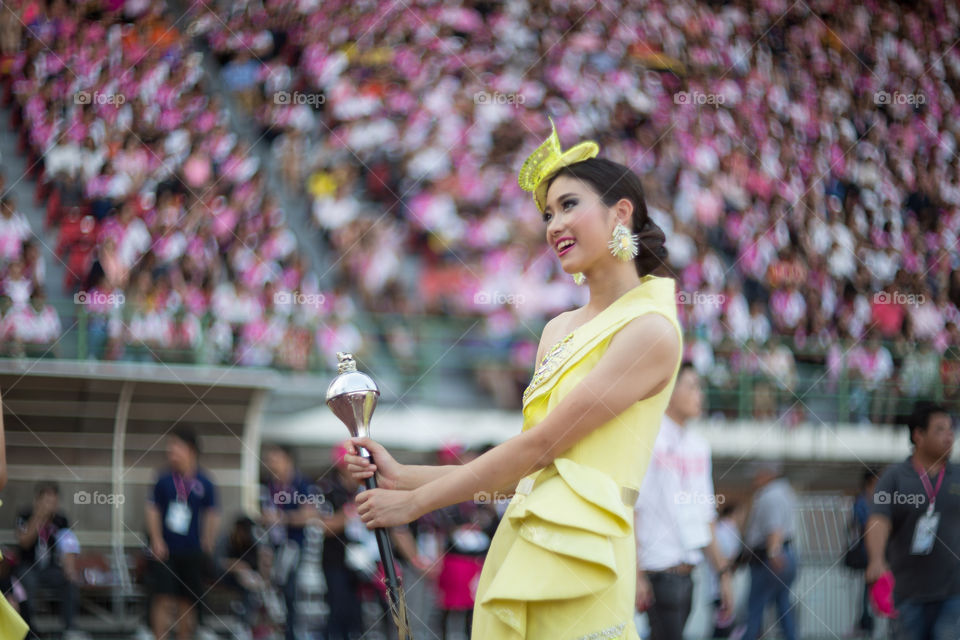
x=547 y=159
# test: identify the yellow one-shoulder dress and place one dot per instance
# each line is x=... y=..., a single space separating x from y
x=562 y=565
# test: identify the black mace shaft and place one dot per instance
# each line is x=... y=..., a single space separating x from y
x=352 y=396
x=395 y=596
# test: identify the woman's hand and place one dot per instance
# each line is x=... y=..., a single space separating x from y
x=386 y=508
x=387 y=469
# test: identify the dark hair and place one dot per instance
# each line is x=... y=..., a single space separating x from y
x=285 y=449
x=613 y=181
x=923 y=410
x=188 y=437
x=46 y=486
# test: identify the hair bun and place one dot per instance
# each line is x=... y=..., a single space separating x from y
x=653 y=253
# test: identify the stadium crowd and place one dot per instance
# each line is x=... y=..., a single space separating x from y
x=170 y=241
x=801 y=159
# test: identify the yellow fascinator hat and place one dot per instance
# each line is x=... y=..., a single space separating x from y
x=547 y=159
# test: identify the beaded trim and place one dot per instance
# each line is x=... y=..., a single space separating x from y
x=611 y=632
x=556 y=355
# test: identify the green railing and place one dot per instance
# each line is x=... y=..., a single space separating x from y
x=421 y=358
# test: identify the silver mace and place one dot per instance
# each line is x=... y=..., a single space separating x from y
x=352 y=396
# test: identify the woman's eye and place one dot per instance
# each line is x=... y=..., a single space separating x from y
x=569 y=203
x=547 y=216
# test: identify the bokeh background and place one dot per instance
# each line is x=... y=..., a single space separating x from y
x=203 y=203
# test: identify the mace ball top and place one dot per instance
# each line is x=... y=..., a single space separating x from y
x=346 y=363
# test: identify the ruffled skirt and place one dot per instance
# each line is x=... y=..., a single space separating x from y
x=562 y=564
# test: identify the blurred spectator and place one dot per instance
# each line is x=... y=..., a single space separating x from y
x=17 y=285
x=288 y=503
x=32 y=329
x=856 y=556
x=48 y=557
x=915 y=527
x=245 y=562
x=182 y=522
x=462 y=535
x=781 y=368
x=14 y=230
x=920 y=371
x=676 y=515
x=768 y=538
x=872 y=395
x=887 y=313
x=343 y=530
x=729 y=543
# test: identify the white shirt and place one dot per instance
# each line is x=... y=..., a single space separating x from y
x=676 y=503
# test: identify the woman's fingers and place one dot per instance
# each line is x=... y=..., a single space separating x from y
x=367 y=443
x=365 y=507
x=357 y=462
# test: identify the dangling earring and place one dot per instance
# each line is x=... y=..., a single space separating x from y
x=624 y=245
x=579 y=278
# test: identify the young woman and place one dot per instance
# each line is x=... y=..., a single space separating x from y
x=563 y=561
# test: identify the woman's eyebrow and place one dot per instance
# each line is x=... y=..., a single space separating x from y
x=559 y=199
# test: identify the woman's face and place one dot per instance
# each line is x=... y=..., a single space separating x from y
x=578 y=224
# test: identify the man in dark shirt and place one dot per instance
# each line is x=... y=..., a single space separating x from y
x=288 y=503
x=182 y=523
x=914 y=531
x=243 y=564
x=339 y=489
x=48 y=553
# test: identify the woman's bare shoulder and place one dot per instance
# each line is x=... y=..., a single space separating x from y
x=559 y=325
x=556 y=327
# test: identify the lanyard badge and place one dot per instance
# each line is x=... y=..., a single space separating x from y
x=925 y=533
x=178 y=512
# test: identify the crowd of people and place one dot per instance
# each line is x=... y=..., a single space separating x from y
x=28 y=325
x=173 y=248
x=305 y=546
x=801 y=160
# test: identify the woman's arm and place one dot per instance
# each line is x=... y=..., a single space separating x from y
x=417 y=475
x=407 y=477
x=638 y=363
